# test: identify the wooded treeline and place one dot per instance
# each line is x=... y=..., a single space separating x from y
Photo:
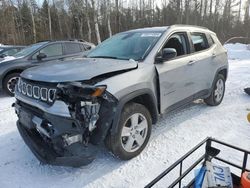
x=26 y=21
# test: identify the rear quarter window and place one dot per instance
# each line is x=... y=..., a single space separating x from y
x=199 y=41
x=72 y=48
x=210 y=40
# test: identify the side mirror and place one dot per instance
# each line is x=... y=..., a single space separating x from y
x=166 y=54
x=41 y=56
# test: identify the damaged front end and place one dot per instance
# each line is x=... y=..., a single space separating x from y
x=71 y=140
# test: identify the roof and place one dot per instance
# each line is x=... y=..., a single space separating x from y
x=70 y=40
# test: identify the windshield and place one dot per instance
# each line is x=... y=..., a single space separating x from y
x=130 y=45
x=28 y=50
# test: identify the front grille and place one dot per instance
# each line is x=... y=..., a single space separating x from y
x=39 y=91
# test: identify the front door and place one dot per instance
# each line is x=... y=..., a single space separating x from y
x=176 y=76
x=52 y=52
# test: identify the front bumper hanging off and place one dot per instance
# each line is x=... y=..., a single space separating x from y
x=48 y=156
x=74 y=155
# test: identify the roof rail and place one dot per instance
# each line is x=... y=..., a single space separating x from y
x=183 y=25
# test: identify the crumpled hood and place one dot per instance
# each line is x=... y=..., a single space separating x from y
x=77 y=69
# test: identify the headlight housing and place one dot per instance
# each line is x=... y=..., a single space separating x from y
x=78 y=91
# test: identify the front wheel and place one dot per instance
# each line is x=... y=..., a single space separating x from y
x=10 y=82
x=133 y=133
x=217 y=93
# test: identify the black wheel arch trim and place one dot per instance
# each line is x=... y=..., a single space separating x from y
x=11 y=71
x=215 y=76
x=220 y=69
x=124 y=100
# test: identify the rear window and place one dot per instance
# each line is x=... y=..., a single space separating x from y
x=72 y=48
x=199 y=41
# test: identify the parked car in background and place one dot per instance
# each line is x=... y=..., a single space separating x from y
x=34 y=55
x=88 y=45
x=9 y=50
x=117 y=92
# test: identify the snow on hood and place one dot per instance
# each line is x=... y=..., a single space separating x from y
x=77 y=69
x=7 y=58
x=238 y=51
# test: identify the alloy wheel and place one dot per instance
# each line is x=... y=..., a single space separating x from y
x=134 y=132
x=219 y=91
x=12 y=83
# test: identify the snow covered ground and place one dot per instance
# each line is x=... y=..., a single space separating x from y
x=172 y=136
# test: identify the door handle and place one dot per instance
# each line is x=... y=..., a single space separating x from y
x=191 y=62
x=213 y=55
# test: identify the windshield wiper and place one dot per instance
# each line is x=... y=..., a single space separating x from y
x=100 y=56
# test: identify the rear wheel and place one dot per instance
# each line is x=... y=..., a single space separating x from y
x=10 y=82
x=217 y=93
x=133 y=132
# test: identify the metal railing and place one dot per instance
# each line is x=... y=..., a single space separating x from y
x=208 y=141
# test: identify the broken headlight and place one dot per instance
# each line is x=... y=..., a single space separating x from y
x=78 y=91
x=84 y=103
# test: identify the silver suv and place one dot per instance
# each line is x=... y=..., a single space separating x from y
x=115 y=94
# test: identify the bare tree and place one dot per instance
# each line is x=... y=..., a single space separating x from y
x=88 y=20
x=211 y=8
x=32 y=7
x=108 y=17
x=95 y=15
x=187 y=11
x=49 y=18
x=117 y=17
x=24 y=23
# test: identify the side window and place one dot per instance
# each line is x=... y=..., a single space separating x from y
x=82 y=47
x=178 y=41
x=199 y=41
x=72 y=48
x=52 y=50
x=210 y=40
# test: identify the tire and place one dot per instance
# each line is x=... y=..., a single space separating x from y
x=217 y=93
x=124 y=144
x=9 y=83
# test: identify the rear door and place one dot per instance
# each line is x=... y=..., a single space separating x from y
x=176 y=76
x=203 y=51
